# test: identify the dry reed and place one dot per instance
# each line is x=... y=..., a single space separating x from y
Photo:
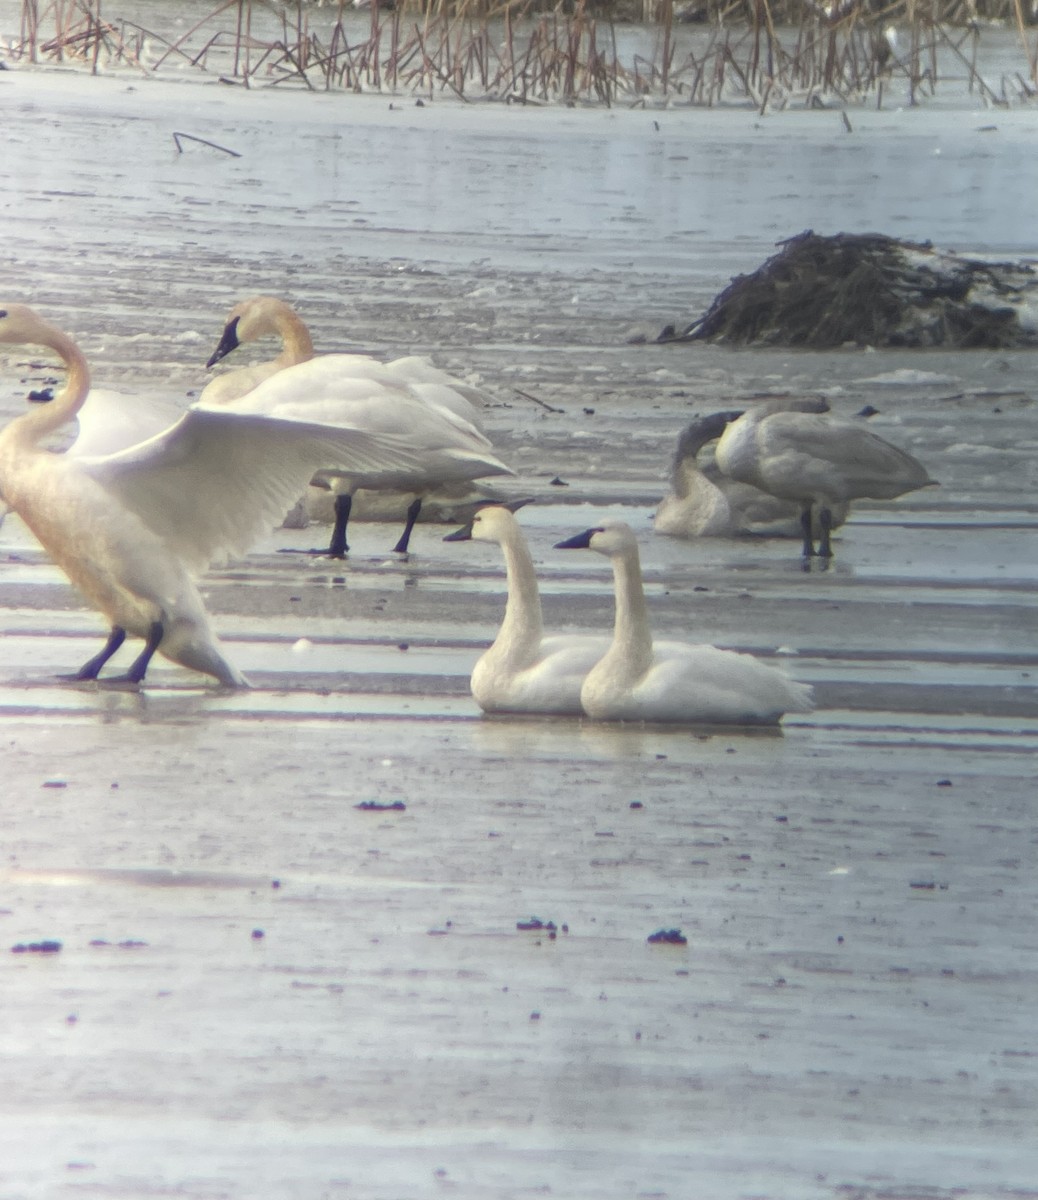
x=506 y=50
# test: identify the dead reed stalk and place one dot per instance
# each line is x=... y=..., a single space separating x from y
x=501 y=49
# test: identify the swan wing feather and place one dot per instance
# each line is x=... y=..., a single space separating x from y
x=841 y=458
x=213 y=482
x=110 y=421
x=371 y=399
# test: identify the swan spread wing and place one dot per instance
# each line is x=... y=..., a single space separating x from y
x=211 y=483
x=111 y=421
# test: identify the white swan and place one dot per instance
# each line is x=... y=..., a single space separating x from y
x=525 y=671
x=639 y=679
x=795 y=450
x=328 y=390
x=130 y=529
x=703 y=502
x=266 y=316
x=408 y=397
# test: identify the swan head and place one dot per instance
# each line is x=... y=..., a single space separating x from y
x=256 y=317
x=20 y=325
x=610 y=538
x=492 y=523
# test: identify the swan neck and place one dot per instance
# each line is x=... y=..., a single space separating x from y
x=296 y=344
x=522 y=627
x=632 y=635
x=44 y=419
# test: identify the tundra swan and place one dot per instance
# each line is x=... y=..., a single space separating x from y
x=328 y=390
x=796 y=451
x=639 y=679
x=704 y=503
x=524 y=670
x=266 y=316
x=357 y=389
x=130 y=529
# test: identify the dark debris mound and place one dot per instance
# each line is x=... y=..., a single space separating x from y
x=870 y=290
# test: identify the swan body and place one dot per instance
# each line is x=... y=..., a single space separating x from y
x=801 y=453
x=639 y=679
x=131 y=529
x=703 y=502
x=526 y=671
x=407 y=397
x=333 y=390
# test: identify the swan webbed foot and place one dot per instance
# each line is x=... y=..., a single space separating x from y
x=139 y=666
x=91 y=668
x=120 y=683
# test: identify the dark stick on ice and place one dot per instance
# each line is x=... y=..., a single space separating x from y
x=212 y=145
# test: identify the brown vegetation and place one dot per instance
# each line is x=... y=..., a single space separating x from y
x=870 y=290
x=764 y=53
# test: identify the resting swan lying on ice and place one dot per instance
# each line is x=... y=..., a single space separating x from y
x=526 y=670
x=703 y=502
x=639 y=679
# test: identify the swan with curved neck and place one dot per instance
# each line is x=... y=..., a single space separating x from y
x=640 y=679
x=703 y=502
x=795 y=450
x=252 y=319
x=408 y=397
x=525 y=670
x=131 y=529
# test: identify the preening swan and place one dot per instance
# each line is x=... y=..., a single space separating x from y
x=703 y=502
x=409 y=397
x=525 y=670
x=796 y=451
x=130 y=529
x=639 y=679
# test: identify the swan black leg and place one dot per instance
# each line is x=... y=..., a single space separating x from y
x=825 y=519
x=90 y=669
x=414 y=508
x=338 y=546
x=140 y=664
x=805 y=525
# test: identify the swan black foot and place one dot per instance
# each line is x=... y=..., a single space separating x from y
x=91 y=668
x=139 y=666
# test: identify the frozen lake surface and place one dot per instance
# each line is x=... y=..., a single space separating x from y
x=852 y=1015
